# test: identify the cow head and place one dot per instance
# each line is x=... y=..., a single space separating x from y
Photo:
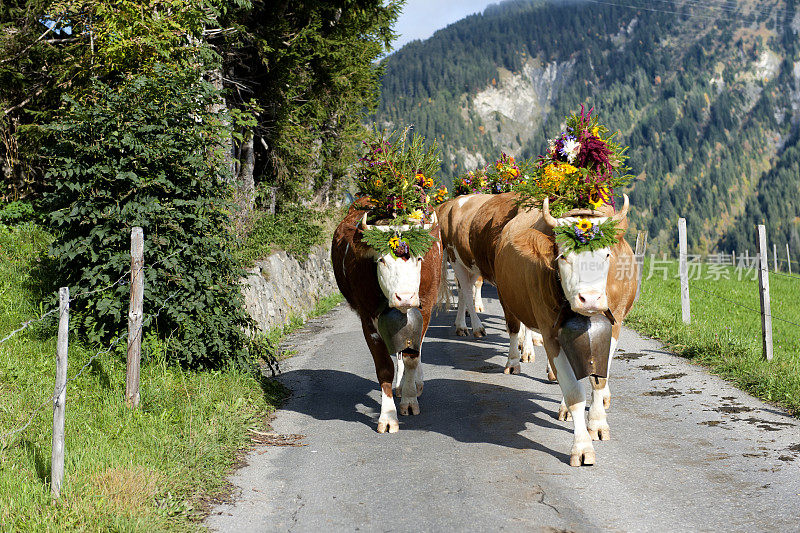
x=584 y=274
x=399 y=277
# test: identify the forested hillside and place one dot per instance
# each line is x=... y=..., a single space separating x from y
x=707 y=94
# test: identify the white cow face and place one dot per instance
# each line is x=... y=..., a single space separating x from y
x=583 y=279
x=399 y=279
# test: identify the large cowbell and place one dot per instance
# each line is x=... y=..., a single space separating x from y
x=587 y=341
x=401 y=331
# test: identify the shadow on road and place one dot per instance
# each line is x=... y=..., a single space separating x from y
x=467 y=411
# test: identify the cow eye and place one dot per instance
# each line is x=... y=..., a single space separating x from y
x=382 y=260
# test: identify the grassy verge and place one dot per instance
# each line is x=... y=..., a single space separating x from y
x=723 y=336
x=276 y=335
x=141 y=470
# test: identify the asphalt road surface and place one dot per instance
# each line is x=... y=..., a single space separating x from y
x=688 y=451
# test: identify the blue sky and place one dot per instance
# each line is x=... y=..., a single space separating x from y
x=420 y=18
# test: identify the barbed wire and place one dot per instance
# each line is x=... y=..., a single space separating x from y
x=24 y=325
x=744 y=306
x=785 y=275
x=88 y=363
x=120 y=281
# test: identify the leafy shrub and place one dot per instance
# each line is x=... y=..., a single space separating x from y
x=16 y=211
x=294 y=228
x=146 y=151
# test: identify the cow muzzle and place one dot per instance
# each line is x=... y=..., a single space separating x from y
x=403 y=301
x=589 y=303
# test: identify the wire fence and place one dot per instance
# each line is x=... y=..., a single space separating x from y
x=51 y=399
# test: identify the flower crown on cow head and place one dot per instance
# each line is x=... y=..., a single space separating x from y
x=397 y=177
x=582 y=169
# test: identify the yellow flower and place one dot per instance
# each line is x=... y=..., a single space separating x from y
x=404 y=183
x=567 y=169
x=415 y=215
x=597 y=200
x=378 y=183
x=427 y=183
x=595 y=131
x=394 y=242
x=443 y=191
x=584 y=224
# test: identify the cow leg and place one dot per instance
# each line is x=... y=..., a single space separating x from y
x=461 y=314
x=512 y=365
x=408 y=385
x=526 y=336
x=598 y=424
x=582 y=450
x=550 y=375
x=384 y=368
x=464 y=277
x=476 y=294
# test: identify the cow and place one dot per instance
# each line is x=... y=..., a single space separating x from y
x=455 y=218
x=537 y=280
x=371 y=283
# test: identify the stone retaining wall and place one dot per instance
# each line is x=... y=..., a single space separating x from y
x=280 y=285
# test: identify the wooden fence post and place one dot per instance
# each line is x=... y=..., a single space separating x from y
x=683 y=269
x=135 y=318
x=733 y=258
x=60 y=394
x=641 y=248
x=788 y=258
x=763 y=290
x=774 y=257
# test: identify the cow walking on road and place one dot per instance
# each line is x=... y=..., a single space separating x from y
x=540 y=283
x=373 y=283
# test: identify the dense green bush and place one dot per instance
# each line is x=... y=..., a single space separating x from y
x=145 y=151
x=294 y=229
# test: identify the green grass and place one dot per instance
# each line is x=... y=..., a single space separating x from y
x=275 y=336
x=725 y=337
x=125 y=470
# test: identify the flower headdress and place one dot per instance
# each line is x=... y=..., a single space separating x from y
x=504 y=175
x=582 y=169
x=396 y=175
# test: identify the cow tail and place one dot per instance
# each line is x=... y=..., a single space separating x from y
x=444 y=299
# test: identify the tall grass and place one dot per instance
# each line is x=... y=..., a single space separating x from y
x=726 y=336
x=132 y=470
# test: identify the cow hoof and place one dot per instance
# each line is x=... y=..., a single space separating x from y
x=528 y=357
x=564 y=414
x=600 y=433
x=408 y=408
x=551 y=376
x=583 y=456
x=478 y=333
x=607 y=402
x=479 y=308
x=392 y=426
x=513 y=369
x=538 y=341
x=462 y=332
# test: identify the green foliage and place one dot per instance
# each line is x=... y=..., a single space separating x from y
x=126 y=470
x=505 y=175
x=397 y=176
x=586 y=236
x=147 y=153
x=16 y=211
x=398 y=242
x=294 y=229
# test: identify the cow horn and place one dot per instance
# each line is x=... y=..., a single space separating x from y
x=364 y=224
x=552 y=222
x=622 y=214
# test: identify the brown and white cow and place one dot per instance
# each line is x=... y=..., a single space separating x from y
x=455 y=216
x=370 y=283
x=535 y=279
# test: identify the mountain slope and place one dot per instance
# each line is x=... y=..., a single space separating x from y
x=707 y=94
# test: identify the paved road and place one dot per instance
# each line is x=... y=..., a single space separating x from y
x=688 y=451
